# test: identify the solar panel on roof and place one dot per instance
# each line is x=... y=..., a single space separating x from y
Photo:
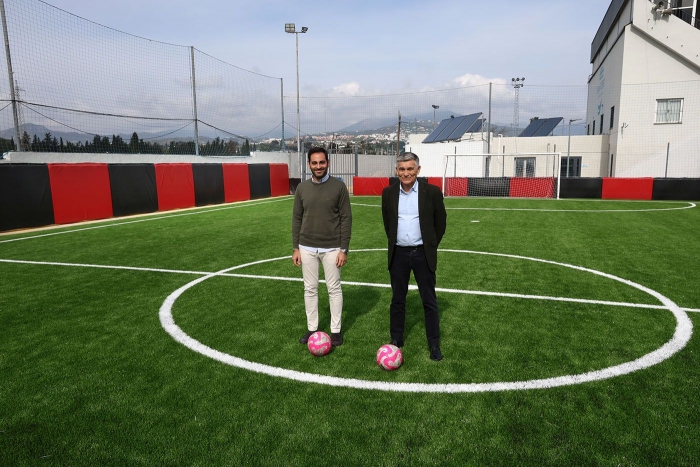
x=548 y=126
x=436 y=132
x=463 y=126
x=454 y=123
x=532 y=127
x=476 y=126
x=541 y=127
x=451 y=129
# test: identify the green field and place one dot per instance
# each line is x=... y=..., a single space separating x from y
x=172 y=339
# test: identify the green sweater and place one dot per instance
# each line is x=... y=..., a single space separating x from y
x=322 y=217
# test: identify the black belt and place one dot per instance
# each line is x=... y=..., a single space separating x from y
x=409 y=248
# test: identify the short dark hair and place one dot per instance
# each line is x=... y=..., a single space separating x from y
x=316 y=149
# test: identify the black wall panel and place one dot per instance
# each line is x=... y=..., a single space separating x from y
x=133 y=188
x=496 y=186
x=208 y=184
x=25 y=196
x=676 y=189
x=259 y=176
x=293 y=184
x=581 y=188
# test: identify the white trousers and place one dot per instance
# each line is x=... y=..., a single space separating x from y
x=309 y=269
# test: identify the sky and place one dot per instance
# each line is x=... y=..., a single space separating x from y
x=360 y=48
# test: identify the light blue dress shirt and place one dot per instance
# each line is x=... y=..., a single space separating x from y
x=408 y=231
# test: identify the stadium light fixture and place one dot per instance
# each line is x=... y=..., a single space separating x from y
x=291 y=29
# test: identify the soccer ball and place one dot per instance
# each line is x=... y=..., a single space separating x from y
x=319 y=343
x=389 y=357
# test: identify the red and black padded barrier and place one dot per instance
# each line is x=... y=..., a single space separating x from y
x=175 y=185
x=676 y=189
x=25 y=196
x=369 y=186
x=32 y=195
x=259 y=176
x=133 y=188
x=279 y=180
x=628 y=188
x=208 y=184
x=80 y=192
x=236 y=182
x=586 y=188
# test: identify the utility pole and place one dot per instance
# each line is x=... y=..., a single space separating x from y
x=398 y=136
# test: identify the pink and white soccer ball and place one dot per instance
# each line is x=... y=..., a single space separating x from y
x=389 y=357
x=319 y=343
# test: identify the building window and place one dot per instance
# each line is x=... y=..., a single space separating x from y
x=525 y=167
x=601 y=123
x=571 y=166
x=612 y=116
x=669 y=110
x=588 y=129
x=593 y=128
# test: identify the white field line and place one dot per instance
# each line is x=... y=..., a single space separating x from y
x=350 y=283
x=681 y=336
x=690 y=206
x=201 y=210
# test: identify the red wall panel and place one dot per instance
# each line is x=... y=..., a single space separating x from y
x=279 y=180
x=456 y=186
x=628 y=188
x=539 y=187
x=80 y=192
x=175 y=185
x=364 y=186
x=236 y=183
x=437 y=181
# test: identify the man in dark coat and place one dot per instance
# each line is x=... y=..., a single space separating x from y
x=415 y=221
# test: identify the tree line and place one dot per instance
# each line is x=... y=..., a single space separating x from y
x=135 y=145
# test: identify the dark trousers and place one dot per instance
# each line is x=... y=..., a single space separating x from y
x=405 y=260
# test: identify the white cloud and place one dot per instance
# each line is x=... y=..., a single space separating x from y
x=348 y=89
x=476 y=80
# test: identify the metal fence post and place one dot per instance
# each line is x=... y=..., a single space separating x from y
x=18 y=141
x=194 y=104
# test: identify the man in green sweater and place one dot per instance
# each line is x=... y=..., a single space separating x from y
x=321 y=225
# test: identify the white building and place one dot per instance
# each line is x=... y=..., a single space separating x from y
x=644 y=90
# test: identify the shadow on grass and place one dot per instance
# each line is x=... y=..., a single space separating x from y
x=357 y=302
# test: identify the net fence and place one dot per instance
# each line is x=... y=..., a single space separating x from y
x=84 y=87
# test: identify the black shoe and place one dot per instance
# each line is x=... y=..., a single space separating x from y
x=435 y=353
x=336 y=339
x=305 y=338
x=397 y=343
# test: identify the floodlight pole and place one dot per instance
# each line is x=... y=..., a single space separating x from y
x=435 y=107
x=517 y=84
x=568 y=149
x=291 y=29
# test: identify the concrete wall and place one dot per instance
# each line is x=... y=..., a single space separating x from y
x=593 y=151
x=655 y=57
